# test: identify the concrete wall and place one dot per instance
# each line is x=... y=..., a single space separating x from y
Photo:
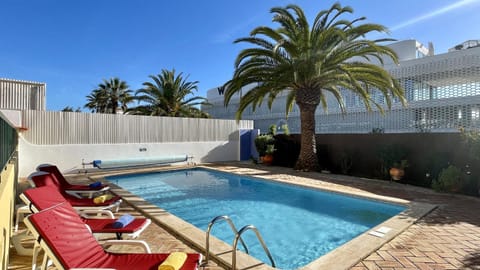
x=69 y=157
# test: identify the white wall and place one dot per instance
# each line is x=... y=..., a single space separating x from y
x=68 y=139
x=68 y=157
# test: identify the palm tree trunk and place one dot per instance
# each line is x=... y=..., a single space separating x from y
x=114 y=104
x=307 y=160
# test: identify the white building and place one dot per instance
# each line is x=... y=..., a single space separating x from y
x=466 y=45
x=443 y=94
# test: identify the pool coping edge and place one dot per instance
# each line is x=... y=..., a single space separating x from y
x=342 y=257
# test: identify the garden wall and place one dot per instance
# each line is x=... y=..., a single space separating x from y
x=364 y=154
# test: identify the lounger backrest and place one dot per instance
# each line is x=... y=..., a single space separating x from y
x=56 y=172
x=44 y=197
x=50 y=180
x=67 y=236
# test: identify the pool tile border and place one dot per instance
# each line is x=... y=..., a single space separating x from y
x=342 y=257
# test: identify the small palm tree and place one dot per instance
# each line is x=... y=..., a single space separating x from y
x=168 y=95
x=71 y=109
x=309 y=62
x=109 y=96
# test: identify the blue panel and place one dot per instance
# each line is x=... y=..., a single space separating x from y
x=245 y=144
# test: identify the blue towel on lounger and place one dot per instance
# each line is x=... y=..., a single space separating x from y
x=123 y=221
x=95 y=184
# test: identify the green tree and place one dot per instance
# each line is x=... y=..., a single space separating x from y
x=309 y=62
x=97 y=101
x=109 y=96
x=168 y=95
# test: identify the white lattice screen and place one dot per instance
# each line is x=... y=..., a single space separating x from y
x=443 y=94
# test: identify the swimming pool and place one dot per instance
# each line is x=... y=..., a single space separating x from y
x=298 y=224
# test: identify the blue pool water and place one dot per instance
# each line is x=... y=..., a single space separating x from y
x=297 y=224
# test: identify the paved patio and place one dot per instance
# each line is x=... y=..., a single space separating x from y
x=446 y=238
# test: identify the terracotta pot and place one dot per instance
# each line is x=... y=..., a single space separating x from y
x=396 y=173
x=267 y=159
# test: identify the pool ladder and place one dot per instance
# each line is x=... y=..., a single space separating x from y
x=238 y=236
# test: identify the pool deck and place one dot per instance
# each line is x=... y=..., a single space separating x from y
x=446 y=237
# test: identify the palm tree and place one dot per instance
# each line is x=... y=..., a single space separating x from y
x=71 y=109
x=167 y=96
x=97 y=101
x=310 y=62
x=109 y=96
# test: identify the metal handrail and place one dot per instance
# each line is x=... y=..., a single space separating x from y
x=232 y=226
x=260 y=239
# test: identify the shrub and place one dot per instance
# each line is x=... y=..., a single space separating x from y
x=450 y=179
x=272 y=129
x=270 y=149
x=285 y=129
x=261 y=143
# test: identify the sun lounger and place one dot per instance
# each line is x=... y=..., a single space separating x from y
x=38 y=199
x=41 y=179
x=75 y=190
x=66 y=241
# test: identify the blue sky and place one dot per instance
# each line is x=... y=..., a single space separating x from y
x=73 y=45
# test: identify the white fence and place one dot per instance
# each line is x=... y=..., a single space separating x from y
x=68 y=139
x=47 y=128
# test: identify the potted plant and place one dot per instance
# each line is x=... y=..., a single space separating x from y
x=397 y=171
x=393 y=161
x=268 y=158
x=261 y=144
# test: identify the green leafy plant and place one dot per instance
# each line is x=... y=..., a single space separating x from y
x=285 y=129
x=272 y=129
x=270 y=149
x=450 y=179
x=261 y=143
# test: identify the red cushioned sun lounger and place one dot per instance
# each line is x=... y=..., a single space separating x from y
x=45 y=197
x=76 y=190
x=67 y=242
x=41 y=179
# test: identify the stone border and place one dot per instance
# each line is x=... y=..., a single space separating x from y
x=342 y=257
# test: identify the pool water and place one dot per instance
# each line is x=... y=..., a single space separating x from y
x=297 y=224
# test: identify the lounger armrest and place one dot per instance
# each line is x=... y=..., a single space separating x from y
x=88 y=193
x=91 y=213
x=139 y=243
x=138 y=232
